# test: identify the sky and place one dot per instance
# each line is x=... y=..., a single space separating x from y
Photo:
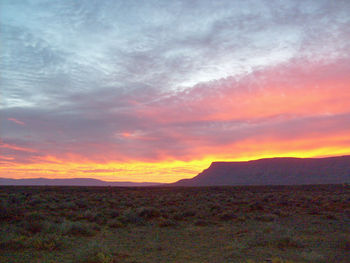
x=157 y=90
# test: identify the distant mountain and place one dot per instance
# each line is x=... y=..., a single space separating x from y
x=274 y=171
x=70 y=182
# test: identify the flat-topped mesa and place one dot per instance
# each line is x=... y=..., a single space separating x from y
x=274 y=171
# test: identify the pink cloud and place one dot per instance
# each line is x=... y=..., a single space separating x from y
x=300 y=102
x=16 y=121
x=17 y=148
x=298 y=88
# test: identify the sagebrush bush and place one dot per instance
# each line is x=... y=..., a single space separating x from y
x=275 y=240
x=94 y=253
x=266 y=217
x=343 y=242
x=201 y=222
x=9 y=213
x=188 y=213
x=4 y=211
x=13 y=242
x=52 y=227
x=271 y=260
x=33 y=227
x=46 y=242
x=34 y=216
x=77 y=229
x=228 y=215
x=115 y=223
x=130 y=216
x=166 y=222
x=286 y=242
x=113 y=213
x=148 y=212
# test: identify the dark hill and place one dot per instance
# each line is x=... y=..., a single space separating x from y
x=274 y=171
x=69 y=182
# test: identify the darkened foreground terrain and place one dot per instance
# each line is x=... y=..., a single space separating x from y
x=274 y=171
x=212 y=224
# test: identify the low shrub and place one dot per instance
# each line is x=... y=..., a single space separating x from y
x=226 y=216
x=343 y=242
x=286 y=242
x=115 y=223
x=266 y=217
x=113 y=213
x=272 y=260
x=280 y=239
x=35 y=201
x=312 y=256
x=52 y=227
x=165 y=222
x=179 y=216
x=100 y=218
x=94 y=253
x=33 y=227
x=256 y=206
x=46 y=242
x=201 y=222
x=81 y=204
x=8 y=213
x=130 y=216
x=13 y=242
x=148 y=212
x=189 y=213
x=77 y=229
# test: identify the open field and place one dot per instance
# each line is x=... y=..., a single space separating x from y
x=209 y=224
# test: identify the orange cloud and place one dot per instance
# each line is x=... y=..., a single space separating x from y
x=170 y=170
x=297 y=110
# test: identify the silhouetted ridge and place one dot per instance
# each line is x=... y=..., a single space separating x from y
x=274 y=171
x=69 y=182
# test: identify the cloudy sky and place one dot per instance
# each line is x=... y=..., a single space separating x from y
x=157 y=90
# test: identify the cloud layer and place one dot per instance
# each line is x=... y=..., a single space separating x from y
x=155 y=91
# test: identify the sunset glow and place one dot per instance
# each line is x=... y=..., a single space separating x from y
x=155 y=91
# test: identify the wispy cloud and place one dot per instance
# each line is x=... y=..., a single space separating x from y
x=16 y=121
